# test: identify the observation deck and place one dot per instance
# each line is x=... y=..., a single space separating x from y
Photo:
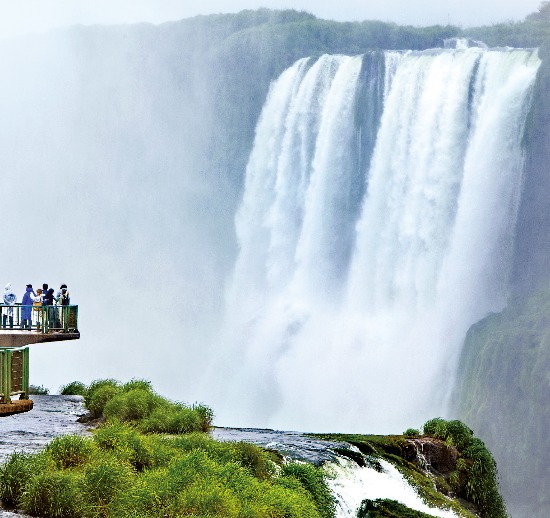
x=46 y=324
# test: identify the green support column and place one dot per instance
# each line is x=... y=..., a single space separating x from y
x=6 y=385
x=2 y=373
x=25 y=383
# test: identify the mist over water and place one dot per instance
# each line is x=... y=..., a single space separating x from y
x=102 y=138
x=364 y=260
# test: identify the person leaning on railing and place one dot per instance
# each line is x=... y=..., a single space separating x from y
x=48 y=301
x=63 y=297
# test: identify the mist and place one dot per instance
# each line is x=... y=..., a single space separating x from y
x=103 y=138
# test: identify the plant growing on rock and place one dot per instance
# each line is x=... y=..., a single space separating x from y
x=480 y=483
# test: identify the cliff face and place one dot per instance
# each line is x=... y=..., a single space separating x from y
x=503 y=394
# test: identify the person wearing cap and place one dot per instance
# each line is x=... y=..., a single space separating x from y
x=63 y=298
x=26 y=307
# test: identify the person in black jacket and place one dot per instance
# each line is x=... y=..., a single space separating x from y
x=48 y=301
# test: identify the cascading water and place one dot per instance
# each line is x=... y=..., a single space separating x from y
x=376 y=226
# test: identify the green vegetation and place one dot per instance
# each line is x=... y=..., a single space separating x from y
x=130 y=468
x=122 y=473
x=475 y=476
x=534 y=31
x=135 y=402
x=502 y=389
x=463 y=467
x=38 y=390
x=75 y=388
x=385 y=508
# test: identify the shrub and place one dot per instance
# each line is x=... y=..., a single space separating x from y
x=38 y=390
x=68 y=451
x=15 y=474
x=75 y=388
x=172 y=419
x=135 y=402
x=133 y=448
x=113 y=437
x=253 y=458
x=98 y=384
x=481 y=483
x=313 y=480
x=134 y=405
x=97 y=399
x=206 y=415
x=411 y=432
x=385 y=508
x=103 y=479
x=206 y=497
x=137 y=384
x=56 y=494
x=278 y=501
x=435 y=428
x=146 y=497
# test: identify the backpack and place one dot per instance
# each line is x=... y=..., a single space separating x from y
x=64 y=299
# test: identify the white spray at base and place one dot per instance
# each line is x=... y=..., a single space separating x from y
x=376 y=226
x=351 y=484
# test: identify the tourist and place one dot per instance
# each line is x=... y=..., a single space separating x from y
x=63 y=298
x=10 y=298
x=26 y=307
x=48 y=301
x=37 y=306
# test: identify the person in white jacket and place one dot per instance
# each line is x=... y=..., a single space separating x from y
x=10 y=298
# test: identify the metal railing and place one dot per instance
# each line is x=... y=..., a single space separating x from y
x=44 y=319
x=14 y=374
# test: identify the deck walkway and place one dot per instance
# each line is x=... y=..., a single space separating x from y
x=20 y=338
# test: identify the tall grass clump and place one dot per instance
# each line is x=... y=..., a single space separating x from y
x=137 y=384
x=104 y=478
x=135 y=402
x=99 y=393
x=69 y=451
x=74 y=388
x=135 y=405
x=480 y=480
x=130 y=447
x=55 y=494
x=15 y=474
x=312 y=479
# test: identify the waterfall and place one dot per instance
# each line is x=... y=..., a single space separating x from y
x=376 y=226
x=351 y=484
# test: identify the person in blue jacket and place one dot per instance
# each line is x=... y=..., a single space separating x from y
x=26 y=307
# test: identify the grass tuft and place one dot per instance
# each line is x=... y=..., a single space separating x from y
x=69 y=451
x=74 y=388
x=55 y=494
